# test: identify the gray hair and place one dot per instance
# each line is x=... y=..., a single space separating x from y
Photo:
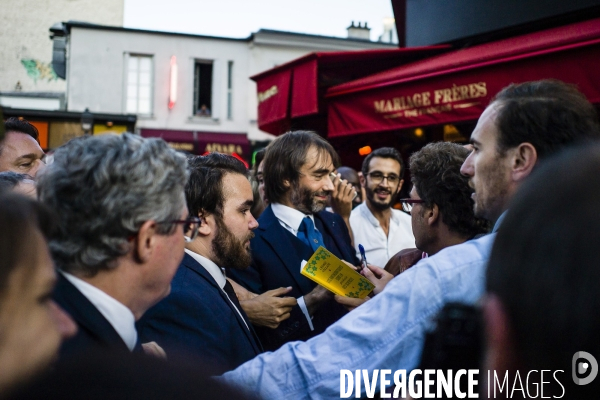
x=103 y=188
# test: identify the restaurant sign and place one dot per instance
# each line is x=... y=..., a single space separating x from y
x=432 y=101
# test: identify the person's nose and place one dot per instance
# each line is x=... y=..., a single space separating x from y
x=328 y=184
x=64 y=323
x=253 y=223
x=467 y=168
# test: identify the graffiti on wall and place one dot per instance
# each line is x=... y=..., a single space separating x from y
x=38 y=70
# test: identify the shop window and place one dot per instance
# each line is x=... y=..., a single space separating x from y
x=139 y=85
x=203 y=77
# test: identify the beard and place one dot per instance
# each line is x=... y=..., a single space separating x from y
x=492 y=197
x=378 y=204
x=230 y=251
x=304 y=200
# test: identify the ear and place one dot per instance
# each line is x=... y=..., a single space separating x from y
x=400 y=185
x=523 y=161
x=432 y=214
x=144 y=242
x=207 y=223
x=500 y=350
x=286 y=183
x=362 y=180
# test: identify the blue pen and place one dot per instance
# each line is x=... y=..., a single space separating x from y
x=363 y=257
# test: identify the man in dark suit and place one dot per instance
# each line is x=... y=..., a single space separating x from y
x=297 y=169
x=202 y=315
x=120 y=236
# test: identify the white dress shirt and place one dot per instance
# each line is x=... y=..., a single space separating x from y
x=217 y=274
x=379 y=248
x=117 y=314
x=290 y=219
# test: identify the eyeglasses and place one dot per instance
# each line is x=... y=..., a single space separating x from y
x=190 y=227
x=378 y=177
x=407 y=204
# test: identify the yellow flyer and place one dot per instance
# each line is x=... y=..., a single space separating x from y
x=333 y=274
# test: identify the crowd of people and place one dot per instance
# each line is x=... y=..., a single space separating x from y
x=185 y=271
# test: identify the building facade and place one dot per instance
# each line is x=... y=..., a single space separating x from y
x=181 y=87
x=25 y=56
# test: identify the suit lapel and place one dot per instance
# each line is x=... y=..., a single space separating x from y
x=277 y=238
x=327 y=225
x=86 y=314
x=192 y=264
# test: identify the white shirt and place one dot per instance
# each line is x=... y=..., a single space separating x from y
x=368 y=232
x=290 y=219
x=117 y=314
x=216 y=273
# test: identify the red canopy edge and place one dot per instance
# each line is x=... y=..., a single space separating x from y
x=198 y=142
x=457 y=86
x=551 y=40
x=295 y=89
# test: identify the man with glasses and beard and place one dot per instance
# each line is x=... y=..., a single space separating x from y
x=380 y=229
x=202 y=316
x=297 y=169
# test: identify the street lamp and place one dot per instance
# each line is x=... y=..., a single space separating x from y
x=87 y=121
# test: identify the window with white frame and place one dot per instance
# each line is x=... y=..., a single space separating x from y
x=139 y=84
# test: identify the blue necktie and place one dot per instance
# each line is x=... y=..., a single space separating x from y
x=309 y=235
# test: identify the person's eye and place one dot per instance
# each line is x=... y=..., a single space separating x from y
x=26 y=165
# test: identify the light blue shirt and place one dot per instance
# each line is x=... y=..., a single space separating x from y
x=385 y=332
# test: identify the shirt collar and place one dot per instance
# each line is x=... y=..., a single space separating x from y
x=212 y=268
x=366 y=212
x=499 y=221
x=117 y=314
x=290 y=216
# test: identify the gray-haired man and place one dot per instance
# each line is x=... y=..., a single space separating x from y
x=120 y=237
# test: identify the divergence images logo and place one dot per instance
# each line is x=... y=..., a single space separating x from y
x=584 y=364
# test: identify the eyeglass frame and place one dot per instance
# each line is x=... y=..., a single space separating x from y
x=189 y=220
x=383 y=177
x=409 y=202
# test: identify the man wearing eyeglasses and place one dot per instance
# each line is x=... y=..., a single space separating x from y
x=119 y=200
x=523 y=125
x=202 y=316
x=380 y=229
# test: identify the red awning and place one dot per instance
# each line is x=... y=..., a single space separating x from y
x=457 y=86
x=296 y=89
x=196 y=142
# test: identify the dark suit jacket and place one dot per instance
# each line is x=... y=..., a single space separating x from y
x=94 y=331
x=276 y=258
x=198 y=319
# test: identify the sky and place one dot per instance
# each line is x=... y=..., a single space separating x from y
x=239 y=18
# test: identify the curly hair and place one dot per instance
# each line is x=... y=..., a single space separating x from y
x=435 y=174
x=103 y=188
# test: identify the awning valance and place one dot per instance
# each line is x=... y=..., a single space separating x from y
x=197 y=142
x=457 y=86
x=296 y=89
